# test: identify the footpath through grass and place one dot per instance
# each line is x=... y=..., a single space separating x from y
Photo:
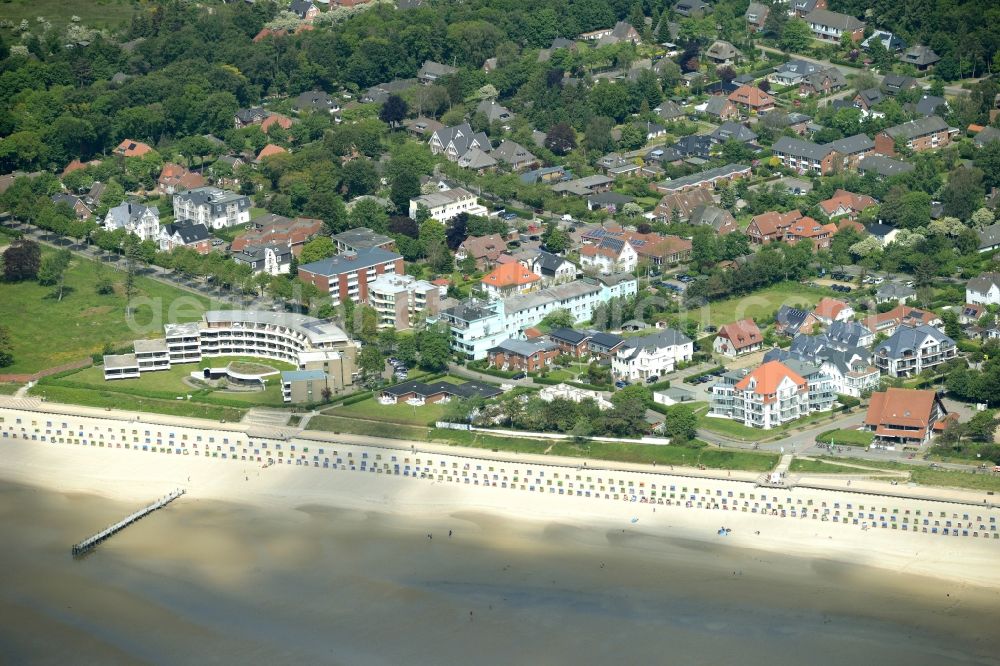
x=918 y=474
x=47 y=332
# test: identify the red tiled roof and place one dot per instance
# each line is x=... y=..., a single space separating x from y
x=282 y=121
x=768 y=377
x=509 y=275
x=269 y=150
x=895 y=409
x=829 y=308
x=743 y=333
x=751 y=96
x=130 y=148
x=842 y=198
x=773 y=222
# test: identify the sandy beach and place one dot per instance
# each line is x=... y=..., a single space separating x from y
x=290 y=562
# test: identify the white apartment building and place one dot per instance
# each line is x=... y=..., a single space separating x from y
x=770 y=395
x=651 y=355
x=442 y=206
x=136 y=219
x=399 y=299
x=913 y=349
x=215 y=208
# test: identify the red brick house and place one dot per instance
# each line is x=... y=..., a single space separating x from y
x=771 y=226
x=523 y=355
x=752 y=98
x=807 y=228
x=346 y=275
x=921 y=134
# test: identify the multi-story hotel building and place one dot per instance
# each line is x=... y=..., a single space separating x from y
x=215 y=208
x=398 y=299
x=771 y=394
x=303 y=341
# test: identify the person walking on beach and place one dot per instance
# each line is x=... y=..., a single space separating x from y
x=449 y=534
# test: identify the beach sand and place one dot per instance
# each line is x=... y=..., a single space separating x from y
x=279 y=564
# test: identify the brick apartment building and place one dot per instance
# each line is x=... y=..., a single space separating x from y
x=346 y=276
x=526 y=355
x=922 y=134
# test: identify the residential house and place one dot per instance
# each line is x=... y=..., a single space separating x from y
x=738 y=338
x=508 y=280
x=890 y=41
x=809 y=229
x=523 y=355
x=670 y=111
x=270 y=150
x=381 y=92
x=654 y=355
x=346 y=275
x=130 y=148
x=621 y=32
x=545 y=175
x=772 y=226
x=456 y=141
x=830 y=26
x=476 y=160
x=695 y=145
x=706 y=179
x=844 y=204
x=442 y=206
x=585 y=186
x=77 y=165
x=984 y=290
x=175 y=178
x=185 y=233
x=80 y=208
x=793 y=72
x=799 y=123
x=604 y=346
x=722 y=52
x=989 y=238
x=495 y=113
x=883 y=167
x=683 y=203
x=215 y=208
x=609 y=255
x=608 y=201
x=887 y=323
x=917 y=135
x=316 y=101
x=485 y=250
x=892 y=292
x=514 y=155
x=719 y=107
x=929 y=105
x=756 y=16
x=845 y=335
x=571 y=342
x=752 y=99
x=829 y=310
x=824 y=82
x=804 y=156
x=361 y=238
x=720 y=219
x=417 y=393
x=273 y=229
x=985 y=136
x=800 y=8
x=664 y=250
x=903 y=417
x=731 y=131
x=893 y=84
x=270 y=259
x=921 y=57
x=400 y=301
x=912 y=349
x=136 y=219
x=304 y=9
x=552 y=268
x=254 y=115
x=276 y=119
x=692 y=8
x=792 y=321
x=849 y=370
x=867 y=100
x=767 y=397
x=431 y=72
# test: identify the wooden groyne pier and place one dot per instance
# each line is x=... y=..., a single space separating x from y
x=88 y=545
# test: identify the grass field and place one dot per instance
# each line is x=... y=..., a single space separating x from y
x=93 y=13
x=738 y=431
x=349 y=425
x=115 y=400
x=9 y=389
x=950 y=479
x=760 y=304
x=47 y=332
x=860 y=438
x=402 y=413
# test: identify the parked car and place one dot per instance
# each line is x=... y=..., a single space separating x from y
x=520 y=375
x=621 y=383
x=652 y=379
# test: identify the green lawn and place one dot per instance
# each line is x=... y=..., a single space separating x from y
x=760 y=304
x=401 y=413
x=93 y=14
x=9 y=389
x=950 y=479
x=116 y=400
x=47 y=332
x=734 y=430
x=153 y=389
x=350 y=425
x=860 y=438
x=800 y=465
